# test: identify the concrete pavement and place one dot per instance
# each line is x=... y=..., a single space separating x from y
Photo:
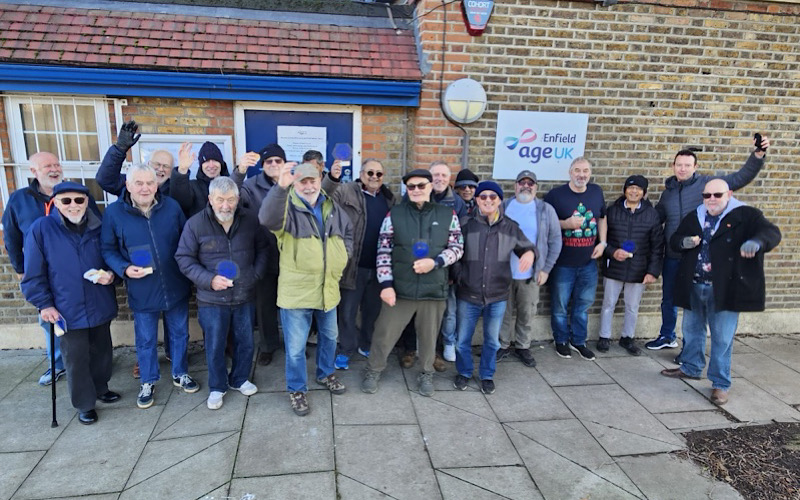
x=567 y=429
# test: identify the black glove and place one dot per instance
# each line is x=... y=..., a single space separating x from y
x=127 y=136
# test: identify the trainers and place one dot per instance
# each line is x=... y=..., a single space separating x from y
x=438 y=364
x=247 y=388
x=186 y=383
x=503 y=353
x=47 y=377
x=460 y=382
x=563 y=350
x=215 y=400
x=604 y=344
x=661 y=343
x=487 y=386
x=677 y=360
x=584 y=351
x=629 y=345
x=299 y=403
x=408 y=358
x=332 y=383
x=363 y=352
x=342 y=362
x=370 y=382
x=525 y=356
x=449 y=352
x=425 y=381
x=145 y=397
x=136 y=374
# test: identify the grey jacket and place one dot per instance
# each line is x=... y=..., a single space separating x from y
x=548 y=237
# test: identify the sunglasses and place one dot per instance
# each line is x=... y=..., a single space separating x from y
x=420 y=186
x=79 y=200
x=276 y=161
x=372 y=173
x=715 y=195
x=526 y=183
x=487 y=196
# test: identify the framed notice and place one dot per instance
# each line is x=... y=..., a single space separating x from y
x=150 y=143
x=296 y=140
x=544 y=143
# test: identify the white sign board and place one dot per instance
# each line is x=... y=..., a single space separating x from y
x=297 y=140
x=544 y=143
x=149 y=143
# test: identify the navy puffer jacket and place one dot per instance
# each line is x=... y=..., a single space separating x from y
x=643 y=228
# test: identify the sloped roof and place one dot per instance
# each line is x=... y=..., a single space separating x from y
x=170 y=42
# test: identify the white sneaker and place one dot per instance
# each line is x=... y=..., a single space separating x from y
x=247 y=388
x=215 y=400
x=449 y=353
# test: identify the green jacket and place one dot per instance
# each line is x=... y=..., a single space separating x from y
x=311 y=264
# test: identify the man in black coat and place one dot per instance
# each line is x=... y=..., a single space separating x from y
x=721 y=273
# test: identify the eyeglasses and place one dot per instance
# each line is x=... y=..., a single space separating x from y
x=372 y=173
x=159 y=166
x=487 y=196
x=715 y=195
x=276 y=161
x=525 y=183
x=420 y=186
x=79 y=200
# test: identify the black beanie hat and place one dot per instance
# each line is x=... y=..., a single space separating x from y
x=209 y=151
x=636 y=180
x=489 y=186
x=271 y=150
x=466 y=178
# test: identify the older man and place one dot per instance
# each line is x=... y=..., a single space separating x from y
x=366 y=202
x=539 y=223
x=315 y=238
x=223 y=250
x=65 y=279
x=140 y=236
x=193 y=195
x=419 y=239
x=581 y=210
x=721 y=273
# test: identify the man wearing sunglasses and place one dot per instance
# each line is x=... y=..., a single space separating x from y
x=721 y=273
x=465 y=186
x=681 y=196
x=418 y=240
x=366 y=201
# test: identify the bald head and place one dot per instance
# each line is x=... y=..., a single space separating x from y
x=716 y=196
x=47 y=170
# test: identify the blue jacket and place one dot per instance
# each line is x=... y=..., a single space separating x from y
x=55 y=260
x=126 y=230
x=108 y=175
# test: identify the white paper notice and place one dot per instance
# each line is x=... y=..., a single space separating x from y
x=297 y=140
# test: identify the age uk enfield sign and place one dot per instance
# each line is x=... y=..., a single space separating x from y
x=544 y=143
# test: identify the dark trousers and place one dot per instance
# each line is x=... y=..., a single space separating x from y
x=87 y=356
x=367 y=297
x=267 y=313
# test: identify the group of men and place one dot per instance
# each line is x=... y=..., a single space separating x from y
x=294 y=242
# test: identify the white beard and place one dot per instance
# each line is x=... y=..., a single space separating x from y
x=525 y=197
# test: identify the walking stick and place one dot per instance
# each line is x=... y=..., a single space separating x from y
x=53 y=370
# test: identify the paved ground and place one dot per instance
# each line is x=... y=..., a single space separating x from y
x=568 y=429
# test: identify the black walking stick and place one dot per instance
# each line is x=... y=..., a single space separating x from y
x=53 y=370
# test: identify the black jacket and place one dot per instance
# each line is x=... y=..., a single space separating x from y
x=643 y=228
x=738 y=282
x=191 y=195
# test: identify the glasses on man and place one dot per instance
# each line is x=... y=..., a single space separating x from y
x=487 y=196
x=159 y=166
x=467 y=187
x=707 y=196
x=420 y=186
x=276 y=161
x=372 y=173
x=525 y=183
x=79 y=200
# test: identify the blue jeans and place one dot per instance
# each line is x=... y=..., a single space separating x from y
x=216 y=322
x=468 y=315
x=145 y=329
x=296 y=323
x=669 y=313
x=59 y=361
x=576 y=284
x=723 y=327
x=449 y=319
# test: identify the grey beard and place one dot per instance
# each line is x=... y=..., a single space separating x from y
x=224 y=217
x=525 y=197
x=74 y=219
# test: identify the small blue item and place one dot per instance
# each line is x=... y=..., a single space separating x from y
x=421 y=249
x=228 y=269
x=342 y=151
x=629 y=246
x=141 y=257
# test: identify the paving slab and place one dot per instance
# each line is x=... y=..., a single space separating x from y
x=191 y=478
x=220 y=493
x=770 y=375
x=389 y=459
x=558 y=371
x=748 y=403
x=299 y=444
x=622 y=428
x=490 y=483
x=106 y=496
x=657 y=474
x=641 y=378
x=20 y=368
x=782 y=348
x=692 y=420
x=348 y=489
x=87 y=459
x=443 y=425
x=27 y=414
x=522 y=394
x=16 y=467
x=310 y=486
x=390 y=405
x=570 y=440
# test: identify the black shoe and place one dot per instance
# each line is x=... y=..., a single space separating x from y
x=87 y=417
x=603 y=344
x=629 y=345
x=503 y=353
x=109 y=397
x=584 y=351
x=526 y=357
x=264 y=358
x=563 y=350
x=487 y=386
x=460 y=382
x=677 y=360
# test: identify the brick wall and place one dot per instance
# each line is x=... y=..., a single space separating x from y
x=652 y=78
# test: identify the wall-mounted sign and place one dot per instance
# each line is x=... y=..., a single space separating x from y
x=544 y=143
x=476 y=14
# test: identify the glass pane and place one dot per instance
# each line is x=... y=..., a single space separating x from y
x=67 y=113
x=85 y=123
x=90 y=150
x=70 y=148
x=42 y=113
x=47 y=142
x=27 y=117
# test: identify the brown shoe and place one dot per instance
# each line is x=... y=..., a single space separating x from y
x=136 y=370
x=439 y=364
x=719 y=397
x=676 y=373
x=408 y=359
x=264 y=358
